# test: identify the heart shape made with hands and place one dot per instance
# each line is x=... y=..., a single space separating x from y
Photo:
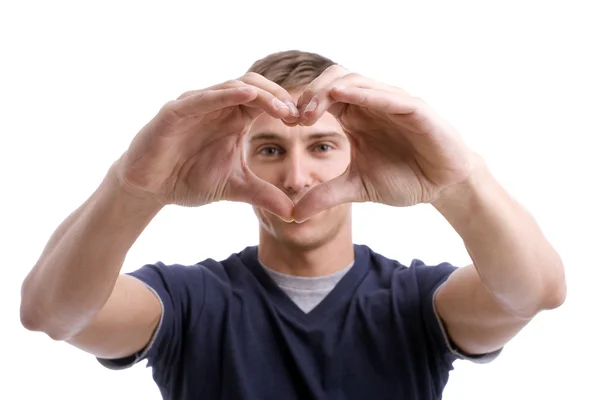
x=402 y=152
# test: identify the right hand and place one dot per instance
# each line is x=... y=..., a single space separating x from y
x=191 y=153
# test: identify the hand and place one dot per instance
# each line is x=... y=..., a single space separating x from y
x=191 y=153
x=402 y=152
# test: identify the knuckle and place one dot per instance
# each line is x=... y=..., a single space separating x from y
x=186 y=94
x=170 y=105
x=252 y=75
x=252 y=78
x=171 y=110
x=231 y=83
x=333 y=68
x=339 y=70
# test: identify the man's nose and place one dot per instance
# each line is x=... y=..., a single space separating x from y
x=296 y=175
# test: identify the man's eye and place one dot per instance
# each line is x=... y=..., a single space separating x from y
x=323 y=147
x=270 y=151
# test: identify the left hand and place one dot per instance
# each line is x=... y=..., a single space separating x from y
x=403 y=153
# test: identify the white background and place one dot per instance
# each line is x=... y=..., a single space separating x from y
x=519 y=79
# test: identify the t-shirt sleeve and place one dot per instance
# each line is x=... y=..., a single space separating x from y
x=179 y=289
x=429 y=279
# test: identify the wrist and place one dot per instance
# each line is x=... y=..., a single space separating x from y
x=462 y=200
x=115 y=185
x=125 y=198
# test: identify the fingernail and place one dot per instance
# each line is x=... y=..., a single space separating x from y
x=293 y=110
x=279 y=104
x=312 y=106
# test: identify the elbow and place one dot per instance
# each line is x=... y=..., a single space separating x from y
x=548 y=294
x=31 y=321
x=29 y=312
x=33 y=315
x=28 y=320
x=556 y=289
x=556 y=296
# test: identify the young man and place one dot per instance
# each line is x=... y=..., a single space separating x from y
x=307 y=314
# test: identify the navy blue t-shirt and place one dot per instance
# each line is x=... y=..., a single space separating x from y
x=229 y=332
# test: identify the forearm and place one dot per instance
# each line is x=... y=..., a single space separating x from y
x=512 y=257
x=79 y=267
x=62 y=229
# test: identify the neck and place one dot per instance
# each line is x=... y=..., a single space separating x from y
x=315 y=260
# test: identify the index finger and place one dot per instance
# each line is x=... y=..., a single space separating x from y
x=259 y=81
x=322 y=99
x=331 y=74
x=206 y=101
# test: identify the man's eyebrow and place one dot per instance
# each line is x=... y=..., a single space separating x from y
x=311 y=136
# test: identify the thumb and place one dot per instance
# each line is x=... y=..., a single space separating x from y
x=340 y=190
x=272 y=199
x=255 y=191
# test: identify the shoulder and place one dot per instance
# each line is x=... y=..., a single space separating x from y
x=413 y=288
x=169 y=276
x=419 y=269
x=429 y=276
x=414 y=279
x=186 y=285
x=185 y=274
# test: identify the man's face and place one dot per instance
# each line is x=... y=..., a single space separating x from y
x=296 y=159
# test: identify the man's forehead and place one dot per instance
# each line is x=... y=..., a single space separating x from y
x=267 y=127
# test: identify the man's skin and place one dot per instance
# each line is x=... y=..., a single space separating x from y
x=296 y=159
x=362 y=141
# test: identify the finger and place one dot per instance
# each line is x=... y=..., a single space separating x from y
x=271 y=98
x=259 y=81
x=206 y=101
x=267 y=102
x=328 y=76
x=270 y=198
x=340 y=190
x=322 y=100
x=232 y=83
x=252 y=190
x=375 y=99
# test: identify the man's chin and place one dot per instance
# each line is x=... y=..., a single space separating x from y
x=309 y=221
x=301 y=235
x=293 y=230
x=293 y=224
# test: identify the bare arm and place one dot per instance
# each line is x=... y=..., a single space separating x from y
x=183 y=156
x=515 y=274
x=75 y=292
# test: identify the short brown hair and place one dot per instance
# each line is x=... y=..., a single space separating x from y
x=292 y=69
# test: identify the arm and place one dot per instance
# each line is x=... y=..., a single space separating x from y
x=406 y=154
x=515 y=274
x=75 y=292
